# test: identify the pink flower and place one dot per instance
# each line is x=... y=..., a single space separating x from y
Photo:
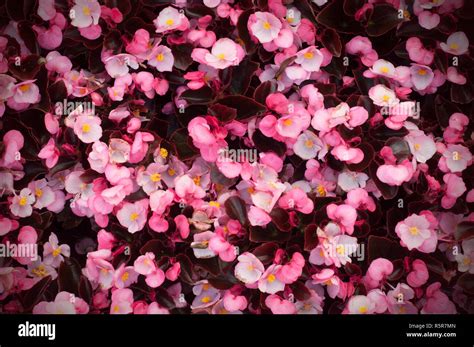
x=395 y=175
x=421 y=76
x=53 y=252
x=117 y=65
x=258 y=217
x=64 y=303
x=161 y=58
x=307 y=145
x=455 y=187
x=437 y=302
x=99 y=156
x=421 y=146
x=415 y=232
x=347 y=154
x=344 y=215
x=264 y=26
x=125 y=276
x=269 y=283
x=187 y=189
x=377 y=272
x=85 y=13
x=428 y=20
x=249 y=269
x=133 y=216
x=170 y=19
x=298 y=200
x=309 y=58
x=360 y=304
x=122 y=300
x=88 y=128
x=224 y=53
x=280 y=306
x=455 y=77
x=383 y=68
x=26 y=92
x=457 y=157
x=457 y=44
x=418 y=275
x=50 y=153
x=21 y=204
x=383 y=96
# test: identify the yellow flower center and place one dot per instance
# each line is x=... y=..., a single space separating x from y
x=171 y=172
x=125 y=276
x=340 y=249
x=133 y=216
x=160 y=57
x=214 y=204
x=287 y=122
x=86 y=128
x=163 y=153
x=197 y=180
x=413 y=230
x=24 y=88
x=221 y=56
x=206 y=286
x=422 y=72
x=22 y=201
x=384 y=69
x=385 y=98
x=155 y=177
x=267 y=26
x=321 y=190
x=38 y=192
x=56 y=252
x=206 y=299
x=116 y=308
x=454 y=46
x=417 y=146
x=40 y=271
x=250 y=190
x=86 y=10
x=308 y=55
x=308 y=143
x=169 y=22
x=271 y=278
x=363 y=309
x=467 y=261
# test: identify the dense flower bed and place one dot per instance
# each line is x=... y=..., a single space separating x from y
x=225 y=156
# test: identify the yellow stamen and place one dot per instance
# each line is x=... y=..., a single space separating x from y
x=214 y=204
x=86 y=128
x=163 y=153
x=221 y=56
x=454 y=46
x=169 y=22
x=160 y=57
x=38 y=192
x=308 y=55
x=22 y=201
x=384 y=69
x=385 y=98
x=417 y=146
x=40 y=271
x=125 y=276
x=171 y=172
x=24 y=88
x=86 y=10
x=155 y=177
x=56 y=252
x=267 y=26
x=133 y=216
x=206 y=299
x=422 y=72
x=271 y=278
x=414 y=231
x=321 y=190
x=197 y=180
x=363 y=309
x=287 y=122
x=308 y=143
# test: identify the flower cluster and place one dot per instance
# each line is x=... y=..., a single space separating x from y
x=227 y=156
